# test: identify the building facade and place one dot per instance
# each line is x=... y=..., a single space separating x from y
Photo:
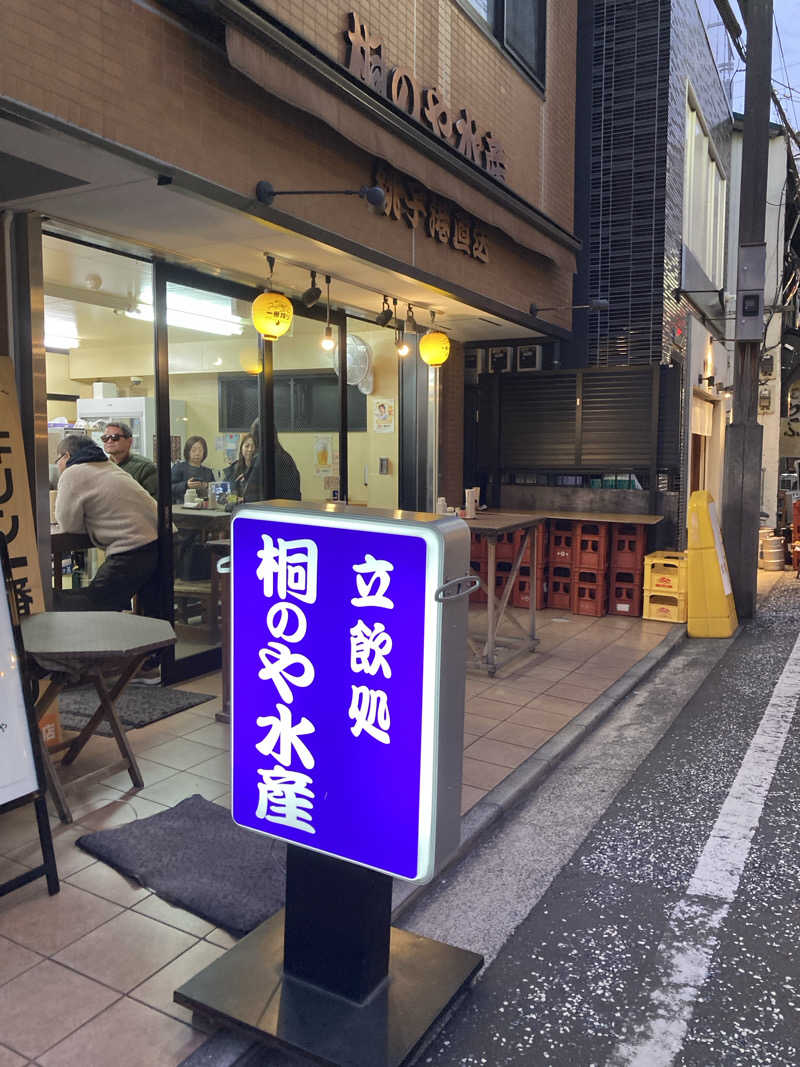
x=165 y=163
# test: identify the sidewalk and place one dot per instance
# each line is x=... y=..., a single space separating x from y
x=104 y=955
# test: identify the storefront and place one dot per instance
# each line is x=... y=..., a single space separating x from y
x=135 y=244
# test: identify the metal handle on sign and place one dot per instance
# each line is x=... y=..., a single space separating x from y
x=464 y=585
x=224 y=565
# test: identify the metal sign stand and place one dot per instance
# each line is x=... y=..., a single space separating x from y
x=329 y=976
x=47 y=868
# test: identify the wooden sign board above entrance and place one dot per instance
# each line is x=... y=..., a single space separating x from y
x=438 y=218
x=456 y=127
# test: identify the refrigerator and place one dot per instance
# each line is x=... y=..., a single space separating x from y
x=138 y=412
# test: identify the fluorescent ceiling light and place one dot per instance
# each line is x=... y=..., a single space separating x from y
x=56 y=340
x=191 y=313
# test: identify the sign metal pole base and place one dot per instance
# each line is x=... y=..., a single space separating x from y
x=329 y=976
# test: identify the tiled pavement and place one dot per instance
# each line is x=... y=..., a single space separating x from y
x=86 y=977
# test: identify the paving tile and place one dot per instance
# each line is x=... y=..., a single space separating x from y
x=187 y=722
x=11 y=1059
x=128 y=1034
x=126 y=950
x=14 y=959
x=516 y=734
x=468 y=739
x=221 y=937
x=515 y=691
x=479 y=724
x=11 y=869
x=482 y=775
x=559 y=705
x=156 y=908
x=218 y=768
x=475 y=686
x=542 y=720
x=46 y=1003
x=499 y=752
x=157 y=991
x=548 y=669
x=224 y=800
x=130 y=806
x=206 y=683
x=19 y=827
x=470 y=797
x=109 y=884
x=32 y=918
x=586 y=675
x=182 y=785
x=579 y=693
x=216 y=734
x=180 y=753
x=497 y=710
x=69 y=858
x=151 y=773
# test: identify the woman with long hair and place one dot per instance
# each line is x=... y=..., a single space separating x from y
x=238 y=473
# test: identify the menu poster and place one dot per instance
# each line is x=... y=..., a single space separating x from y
x=17 y=768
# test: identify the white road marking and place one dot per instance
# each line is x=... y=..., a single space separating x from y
x=686 y=950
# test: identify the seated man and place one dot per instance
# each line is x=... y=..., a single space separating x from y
x=117 y=440
x=97 y=497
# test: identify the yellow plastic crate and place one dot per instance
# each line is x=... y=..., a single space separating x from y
x=665 y=607
x=666 y=572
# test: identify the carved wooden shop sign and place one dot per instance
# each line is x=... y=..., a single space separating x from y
x=458 y=129
x=439 y=219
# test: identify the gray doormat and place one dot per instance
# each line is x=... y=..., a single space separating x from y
x=196 y=857
x=138 y=705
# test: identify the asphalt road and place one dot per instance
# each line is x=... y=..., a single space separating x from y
x=642 y=907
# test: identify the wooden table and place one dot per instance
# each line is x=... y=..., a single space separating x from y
x=79 y=646
x=491 y=524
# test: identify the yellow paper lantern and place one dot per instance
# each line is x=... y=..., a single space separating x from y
x=272 y=315
x=434 y=348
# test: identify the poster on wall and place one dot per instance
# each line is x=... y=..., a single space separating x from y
x=383 y=415
x=17 y=768
x=323 y=454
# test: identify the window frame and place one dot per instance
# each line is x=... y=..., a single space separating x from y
x=708 y=247
x=495 y=30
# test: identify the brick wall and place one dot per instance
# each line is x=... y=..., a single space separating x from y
x=136 y=76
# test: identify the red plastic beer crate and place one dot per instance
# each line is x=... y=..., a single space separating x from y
x=542 y=581
x=541 y=533
x=590 y=593
x=562 y=541
x=559 y=589
x=628 y=546
x=506 y=547
x=591 y=545
x=625 y=594
x=521 y=597
x=478 y=566
x=477 y=549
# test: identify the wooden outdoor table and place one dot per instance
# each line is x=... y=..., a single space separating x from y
x=491 y=524
x=80 y=646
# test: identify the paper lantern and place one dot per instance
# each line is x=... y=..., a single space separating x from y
x=272 y=315
x=434 y=348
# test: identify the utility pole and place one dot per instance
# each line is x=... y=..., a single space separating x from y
x=742 y=483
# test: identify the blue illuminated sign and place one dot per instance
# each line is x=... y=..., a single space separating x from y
x=335 y=637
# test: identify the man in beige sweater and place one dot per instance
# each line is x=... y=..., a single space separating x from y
x=98 y=497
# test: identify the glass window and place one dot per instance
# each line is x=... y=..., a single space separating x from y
x=523 y=32
x=485 y=8
x=373 y=440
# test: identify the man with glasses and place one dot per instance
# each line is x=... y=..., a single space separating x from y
x=117 y=440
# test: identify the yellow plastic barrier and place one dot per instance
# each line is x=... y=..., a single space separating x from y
x=666 y=572
x=712 y=612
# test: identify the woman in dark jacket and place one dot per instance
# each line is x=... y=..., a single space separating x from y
x=238 y=474
x=190 y=473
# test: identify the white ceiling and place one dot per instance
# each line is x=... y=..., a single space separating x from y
x=122 y=199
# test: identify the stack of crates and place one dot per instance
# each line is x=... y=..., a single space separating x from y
x=521 y=596
x=590 y=543
x=478 y=565
x=795 y=535
x=666 y=583
x=560 y=564
x=628 y=545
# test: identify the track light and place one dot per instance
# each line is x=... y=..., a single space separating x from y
x=313 y=293
x=400 y=343
x=328 y=342
x=385 y=314
x=411 y=322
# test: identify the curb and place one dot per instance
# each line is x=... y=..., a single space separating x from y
x=529 y=775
